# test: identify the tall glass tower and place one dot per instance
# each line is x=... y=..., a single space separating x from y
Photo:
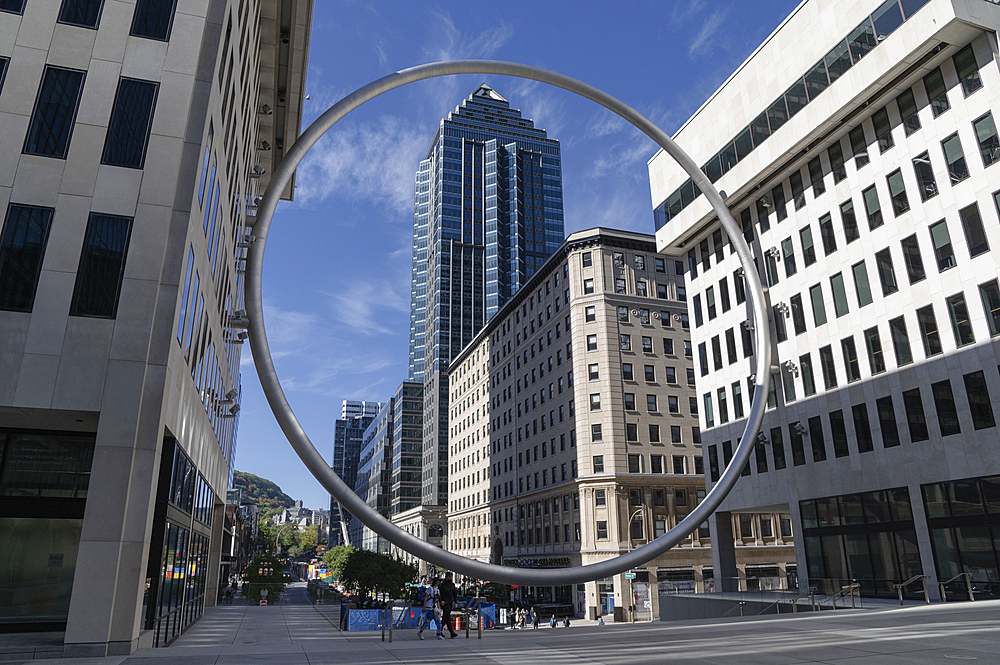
x=487 y=213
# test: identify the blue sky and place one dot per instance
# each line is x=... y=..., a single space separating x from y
x=337 y=266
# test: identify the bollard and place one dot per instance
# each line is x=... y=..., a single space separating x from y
x=383 y=624
x=390 y=623
x=467 y=627
x=479 y=624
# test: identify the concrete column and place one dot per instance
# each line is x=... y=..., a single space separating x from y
x=215 y=554
x=924 y=543
x=104 y=614
x=720 y=525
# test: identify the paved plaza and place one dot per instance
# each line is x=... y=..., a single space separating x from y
x=296 y=634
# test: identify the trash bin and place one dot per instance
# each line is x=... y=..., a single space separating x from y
x=620 y=614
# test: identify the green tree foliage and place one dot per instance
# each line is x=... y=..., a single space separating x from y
x=368 y=573
x=266 y=494
x=264 y=572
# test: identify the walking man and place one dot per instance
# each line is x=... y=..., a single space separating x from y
x=449 y=594
x=432 y=602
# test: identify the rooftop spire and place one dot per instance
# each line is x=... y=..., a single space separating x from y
x=486 y=91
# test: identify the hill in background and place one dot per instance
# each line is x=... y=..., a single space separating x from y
x=266 y=494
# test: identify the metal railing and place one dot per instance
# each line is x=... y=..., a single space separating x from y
x=793 y=601
x=738 y=606
x=968 y=586
x=916 y=578
x=847 y=590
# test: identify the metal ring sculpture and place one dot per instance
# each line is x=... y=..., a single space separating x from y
x=338 y=489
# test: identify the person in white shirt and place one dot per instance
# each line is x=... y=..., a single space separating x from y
x=431 y=609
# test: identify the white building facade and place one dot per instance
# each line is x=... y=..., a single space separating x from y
x=136 y=136
x=857 y=148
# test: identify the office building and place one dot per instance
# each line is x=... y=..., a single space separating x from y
x=389 y=464
x=350 y=408
x=857 y=146
x=348 y=437
x=134 y=135
x=573 y=428
x=487 y=213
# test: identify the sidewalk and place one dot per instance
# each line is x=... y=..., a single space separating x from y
x=294 y=633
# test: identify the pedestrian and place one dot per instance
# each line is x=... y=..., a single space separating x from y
x=565 y=622
x=552 y=621
x=521 y=618
x=449 y=594
x=431 y=603
x=534 y=619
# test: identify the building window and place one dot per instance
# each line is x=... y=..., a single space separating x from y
x=897 y=193
x=900 y=342
x=647 y=344
x=876 y=360
x=944 y=404
x=587 y=259
x=788 y=256
x=937 y=92
x=590 y=314
x=958 y=170
x=624 y=342
x=850 y=359
x=627 y=371
x=850 y=222
x=592 y=371
x=839 y=434
x=978 y=394
x=967 y=70
x=839 y=295
x=81 y=13
x=672 y=404
x=654 y=433
x=859 y=146
x=926 y=184
x=942 y=246
x=872 y=207
x=153 y=19
x=629 y=401
x=861 y=284
x=818 y=308
x=929 y=331
x=102 y=266
x=883 y=130
x=908 y=111
x=836 y=155
x=827 y=235
x=915 y=419
x=808 y=250
x=595 y=402
x=887 y=422
x=131 y=119
x=914 y=263
x=640 y=288
x=55 y=112
x=816 y=439
x=600 y=498
x=960 y=324
x=862 y=428
x=975 y=234
x=598 y=463
x=886 y=273
x=739 y=287
x=588 y=285
x=990 y=295
x=986 y=134
x=829 y=369
x=635 y=463
x=620 y=286
x=651 y=403
x=675 y=434
x=671 y=375
x=816 y=176
x=696 y=305
x=650 y=374
x=22 y=247
x=808 y=376
x=602 y=530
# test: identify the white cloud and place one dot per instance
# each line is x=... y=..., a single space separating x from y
x=450 y=43
x=362 y=305
x=372 y=161
x=705 y=38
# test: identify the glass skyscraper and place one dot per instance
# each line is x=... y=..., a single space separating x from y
x=487 y=213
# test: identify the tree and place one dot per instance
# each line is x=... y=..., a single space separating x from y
x=308 y=538
x=369 y=573
x=336 y=560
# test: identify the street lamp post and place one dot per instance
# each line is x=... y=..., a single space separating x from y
x=277 y=541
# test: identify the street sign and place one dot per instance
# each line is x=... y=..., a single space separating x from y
x=647 y=604
x=630 y=576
